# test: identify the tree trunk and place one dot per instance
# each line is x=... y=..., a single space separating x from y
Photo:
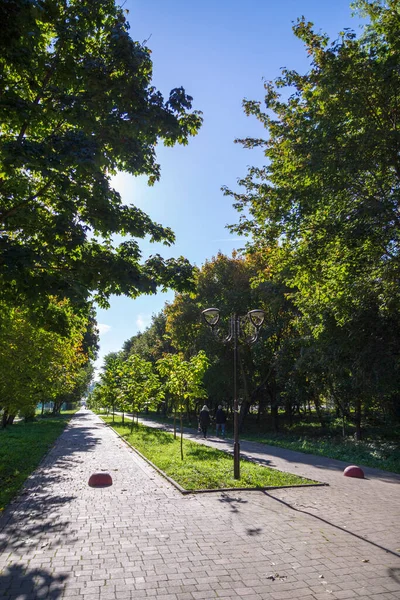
x=272 y=392
x=181 y=437
x=320 y=416
x=357 y=419
x=4 y=419
x=289 y=412
x=175 y=424
x=188 y=415
x=259 y=413
x=275 y=416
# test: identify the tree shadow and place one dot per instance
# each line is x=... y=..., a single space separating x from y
x=25 y=584
x=231 y=501
x=394 y=573
x=33 y=515
x=356 y=535
x=253 y=531
x=202 y=452
x=266 y=462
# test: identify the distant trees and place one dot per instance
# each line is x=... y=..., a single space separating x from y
x=133 y=383
x=227 y=282
x=39 y=364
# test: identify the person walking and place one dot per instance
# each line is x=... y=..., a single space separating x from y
x=220 y=421
x=204 y=420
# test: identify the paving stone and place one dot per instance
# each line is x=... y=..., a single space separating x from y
x=140 y=538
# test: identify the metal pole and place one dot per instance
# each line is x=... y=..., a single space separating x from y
x=236 y=444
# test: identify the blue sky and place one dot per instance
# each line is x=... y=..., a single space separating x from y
x=220 y=52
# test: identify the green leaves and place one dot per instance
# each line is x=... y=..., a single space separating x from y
x=326 y=202
x=44 y=360
x=130 y=383
x=76 y=106
x=184 y=379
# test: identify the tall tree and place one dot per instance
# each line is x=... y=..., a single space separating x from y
x=184 y=381
x=140 y=384
x=76 y=106
x=327 y=200
x=152 y=343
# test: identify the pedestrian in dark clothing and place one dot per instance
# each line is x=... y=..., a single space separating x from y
x=204 y=420
x=220 y=420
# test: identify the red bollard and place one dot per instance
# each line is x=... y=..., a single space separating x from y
x=102 y=479
x=353 y=471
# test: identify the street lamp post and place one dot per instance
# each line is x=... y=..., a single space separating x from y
x=237 y=327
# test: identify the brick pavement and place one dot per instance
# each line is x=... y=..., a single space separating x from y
x=141 y=538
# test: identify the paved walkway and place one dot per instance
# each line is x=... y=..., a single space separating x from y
x=141 y=538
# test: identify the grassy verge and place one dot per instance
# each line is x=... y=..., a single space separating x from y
x=22 y=446
x=383 y=455
x=203 y=467
x=380 y=449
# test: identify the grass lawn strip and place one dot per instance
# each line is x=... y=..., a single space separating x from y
x=203 y=468
x=378 y=455
x=22 y=447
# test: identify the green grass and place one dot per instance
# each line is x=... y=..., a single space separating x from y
x=49 y=413
x=378 y=454
x=203 y=467
x=22 y=446
x=379 y=449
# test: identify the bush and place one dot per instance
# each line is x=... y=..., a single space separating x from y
x=28 y=414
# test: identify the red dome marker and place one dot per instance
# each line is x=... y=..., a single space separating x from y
x=100 y=480
x=353 y=471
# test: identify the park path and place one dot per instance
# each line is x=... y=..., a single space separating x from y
x=141 y=538
x=368 y=507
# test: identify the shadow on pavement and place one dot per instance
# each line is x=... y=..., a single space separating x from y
x=33 y=514
x=18 y=582
x=253 y=531
x=356 y=535
x=394 y=574
x=231 y=501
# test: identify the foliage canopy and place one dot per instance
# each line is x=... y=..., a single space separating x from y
x=76 y=106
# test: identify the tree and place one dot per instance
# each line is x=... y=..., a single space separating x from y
x=152 y=343
x=223 y=282
x=327 y=201
x=326 y=204
x=184 y=381
x=39 y=364
x=76 y=106
x=108 y=390
x=230 y=283
x=140 y=385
